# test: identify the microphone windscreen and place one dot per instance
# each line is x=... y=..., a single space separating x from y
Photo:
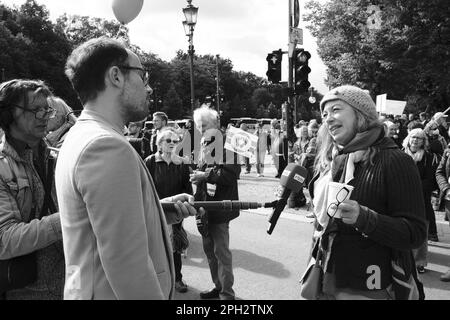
x=293 y=177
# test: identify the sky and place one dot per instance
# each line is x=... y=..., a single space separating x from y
x=244 y=31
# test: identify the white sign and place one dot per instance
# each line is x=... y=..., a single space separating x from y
x=394 y=107
x=381 y=103
x=241 y=142
x=296 y=36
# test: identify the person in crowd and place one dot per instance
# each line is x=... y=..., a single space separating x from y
x=365 y=243
x=299 y=150
x=260 y=149
x=59 y=126
x=441 y=119
x=30 y=228
x=216 y=180
x=136 y=137
x=437 y=142
x=414 y=125
x=274 y=131
x=248 y=166
x=392 y=132
x=313 y=128
x=424 y=118
x=116 y=239
x=160 y=120
x=171 y=176
x=443 y=181
x=416 y=145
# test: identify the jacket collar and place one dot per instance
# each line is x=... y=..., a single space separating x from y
x=98 y=117
x=7 y=149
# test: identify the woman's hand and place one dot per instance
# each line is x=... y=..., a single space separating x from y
x=349 y=211
x=197 y=177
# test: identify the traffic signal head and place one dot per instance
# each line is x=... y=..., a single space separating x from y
x=301 y=71
x=274 y=66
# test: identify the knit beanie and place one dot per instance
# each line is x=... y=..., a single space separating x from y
x=354 y=96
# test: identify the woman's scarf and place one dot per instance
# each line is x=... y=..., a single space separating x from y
x=343 y=168
x=417 y=156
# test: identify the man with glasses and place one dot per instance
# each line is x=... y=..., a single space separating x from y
x=115 y=231
x=30 y=228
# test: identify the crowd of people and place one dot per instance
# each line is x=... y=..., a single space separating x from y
x=92 y=207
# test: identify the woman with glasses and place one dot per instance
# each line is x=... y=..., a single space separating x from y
x=171 y=177
x=417 y=147
x=30 y=229
x=364 y=243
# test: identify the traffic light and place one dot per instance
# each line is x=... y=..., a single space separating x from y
x=301 y=71
x=274 y=66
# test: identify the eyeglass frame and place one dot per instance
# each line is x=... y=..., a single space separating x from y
x=168 y=140
x=47 y=111
x=338 y=202
x=145 y=74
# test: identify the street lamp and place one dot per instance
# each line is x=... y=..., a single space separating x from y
x=312 y=99
x=190 y=12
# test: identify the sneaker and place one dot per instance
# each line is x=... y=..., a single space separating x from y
x=420 y=269
x=211 y=294
x=433 y=237
x=181 y=287
x=260 y=175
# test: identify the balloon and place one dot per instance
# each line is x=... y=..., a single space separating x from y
x=126 y=10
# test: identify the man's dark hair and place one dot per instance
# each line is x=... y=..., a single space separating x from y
x=161 y=115
x=16 y=91
x=87 y=64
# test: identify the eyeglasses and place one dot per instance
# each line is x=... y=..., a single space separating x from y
x=172 y=141
x=417 y=138
x=40 y=113
x=340 y=197
x=143 y=73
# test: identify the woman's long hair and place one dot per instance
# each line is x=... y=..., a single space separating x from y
x=418 y=131
x=326 y=145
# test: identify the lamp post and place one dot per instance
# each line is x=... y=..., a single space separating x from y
x=190 y=12
x=217 y=83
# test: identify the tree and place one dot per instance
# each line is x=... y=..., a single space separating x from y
x=172 y=104
x=408 y=57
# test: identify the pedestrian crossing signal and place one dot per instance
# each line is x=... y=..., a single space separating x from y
x=301 y=71
x=274 y=66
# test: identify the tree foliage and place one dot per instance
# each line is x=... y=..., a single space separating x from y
x=32 y=46
x=408 y=57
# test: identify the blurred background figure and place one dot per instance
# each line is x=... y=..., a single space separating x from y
x=246 y=160
x=139 y=141
x=59 y=126
x=416 y=145
x=260 y=149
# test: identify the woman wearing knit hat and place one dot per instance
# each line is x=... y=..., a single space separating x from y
x=366 y=253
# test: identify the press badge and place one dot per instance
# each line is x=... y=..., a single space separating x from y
x=211 y=189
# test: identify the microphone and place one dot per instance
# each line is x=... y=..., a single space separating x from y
x=225 y=205
x=291 y=180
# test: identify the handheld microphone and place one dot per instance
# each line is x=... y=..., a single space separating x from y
x=225 y=205
x=292 y=180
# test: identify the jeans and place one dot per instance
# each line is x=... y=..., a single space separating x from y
x=217 y=249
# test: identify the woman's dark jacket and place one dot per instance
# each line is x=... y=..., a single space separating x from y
x=391 y=220
x=170 y=179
